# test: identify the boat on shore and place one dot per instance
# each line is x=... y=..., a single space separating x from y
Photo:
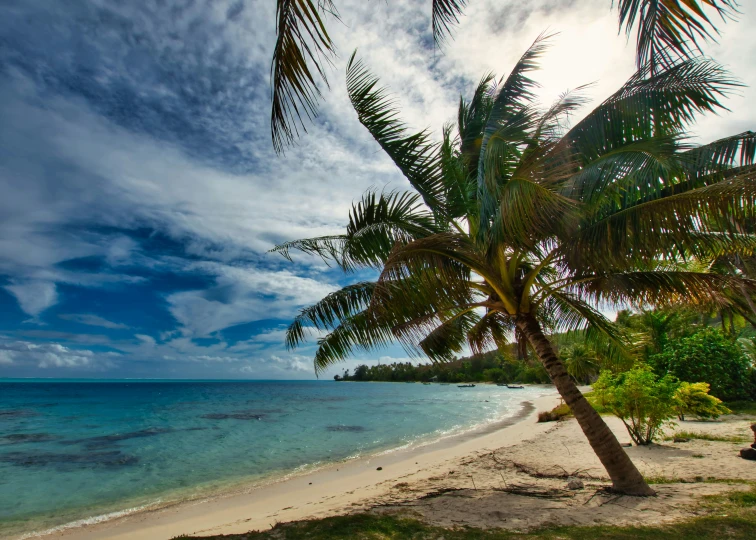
x=465 y=386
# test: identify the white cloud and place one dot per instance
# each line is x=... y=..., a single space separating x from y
x=34 y=296
x=92 y=320
x=52 y=355
x=241 y=295
x=61 y=356
x=294 y=362
x=6 y=357
x=146 y=340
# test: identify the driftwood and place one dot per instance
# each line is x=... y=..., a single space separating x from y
x=530 y=490
x=438 y=493
x=554 y=472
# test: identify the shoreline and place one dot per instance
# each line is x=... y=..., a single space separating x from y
x=330 y=489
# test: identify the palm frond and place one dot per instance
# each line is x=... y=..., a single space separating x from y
x=703 y=222
x=449 y=337
x=529 y=212
x=446 y=15
x=493 y=331
x=556 y=117
x=360 y=332
x=445 y=261
x=670 y=29
x=627 y=173
x=736 y=151
x=663 y=288
x=471 y=121
x=376 y=223
x=414 y=154
x=564 y=311
x=328 y=248
x=510 y=107
x=330 y=311
x=302 y=44
x=649 y=106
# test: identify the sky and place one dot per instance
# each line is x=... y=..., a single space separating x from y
x=139 y=189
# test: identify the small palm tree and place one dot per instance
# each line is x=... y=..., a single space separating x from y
x=666 y=30
x=519 y=225
x=581 y=363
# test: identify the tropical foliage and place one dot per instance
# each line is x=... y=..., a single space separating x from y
x=708 y=356
x=693 y=399
x=667 y=31
x=493 y=366
x=582 y=362
x=521 y=224
x=643 y=401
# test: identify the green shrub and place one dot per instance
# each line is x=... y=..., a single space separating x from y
x=495 y=375
x=643 y=401
x=694 y=399
x=534 y=375
x=560 y=412
x=707 y=356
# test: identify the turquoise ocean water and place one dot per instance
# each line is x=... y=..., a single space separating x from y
x=71 y=450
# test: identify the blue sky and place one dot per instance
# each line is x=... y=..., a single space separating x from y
x=140 y=192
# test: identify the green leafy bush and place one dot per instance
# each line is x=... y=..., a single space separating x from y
x=494 y=375
x=534 y=375
x=643 y=401
x=693 y=399
x=560 y=412
x=707 y=356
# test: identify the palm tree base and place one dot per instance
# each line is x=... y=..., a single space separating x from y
x=626 y=478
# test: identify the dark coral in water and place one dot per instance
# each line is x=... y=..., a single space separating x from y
x=68 y=461
x=355 y=429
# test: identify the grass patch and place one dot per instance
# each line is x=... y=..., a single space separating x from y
x=705 y=437
x=701 y=479
x=731 y=516
x=560 y=412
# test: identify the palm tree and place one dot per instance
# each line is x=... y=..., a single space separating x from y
x=667 y=29
x=519 y=225
x=581 y=362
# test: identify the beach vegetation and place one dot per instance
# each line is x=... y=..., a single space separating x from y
x=693 y=399
x=642 y=400
x=745 y=407
x=493 y=366
x=692 y=435
x=710 y=356
x=560 y=412
x=581 y=362
x=520 y=225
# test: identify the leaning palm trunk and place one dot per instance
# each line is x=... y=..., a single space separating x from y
x=625 y=476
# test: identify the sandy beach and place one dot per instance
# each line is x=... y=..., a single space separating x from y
x=513 y=477
x=328 y=491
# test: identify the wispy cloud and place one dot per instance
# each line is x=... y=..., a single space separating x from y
x=141 y=191
x=92 y=320
x=33 y=296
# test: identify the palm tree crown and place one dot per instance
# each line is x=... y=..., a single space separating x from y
x=520 y=224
